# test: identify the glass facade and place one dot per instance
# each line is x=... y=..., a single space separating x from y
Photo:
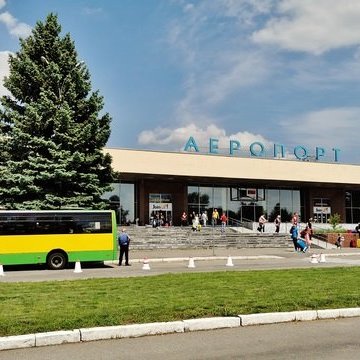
x=237 y=202
x=244 y=203
x=122 y=200
x=352 y=206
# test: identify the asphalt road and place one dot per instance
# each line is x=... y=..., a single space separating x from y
x=322 y=339
x=175 y=261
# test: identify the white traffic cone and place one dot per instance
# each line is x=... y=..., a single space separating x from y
x=146 y=265
x=1 y=270
x=314 y=259
x=77 y=267
x=191 y=263
x=229 y=261
x=322 y=258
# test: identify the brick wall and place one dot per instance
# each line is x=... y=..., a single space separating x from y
x=347 y=236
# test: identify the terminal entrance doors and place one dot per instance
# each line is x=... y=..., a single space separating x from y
x=321 y=210
x=160 y=209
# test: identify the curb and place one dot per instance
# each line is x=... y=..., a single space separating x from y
x=128 y=331
x=158 y=328
x=207 y=258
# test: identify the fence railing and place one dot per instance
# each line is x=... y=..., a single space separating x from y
x=246 y=223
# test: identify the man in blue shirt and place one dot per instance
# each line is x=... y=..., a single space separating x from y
x=294 y=231
x=124 y=241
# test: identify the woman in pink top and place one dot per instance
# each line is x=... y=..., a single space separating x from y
x=307 y=237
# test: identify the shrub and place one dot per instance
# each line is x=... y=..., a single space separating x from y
x=334 y=220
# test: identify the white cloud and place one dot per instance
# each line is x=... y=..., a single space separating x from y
x=222 y=47
x=312 y=26
x=222 y=52
x=7 y=19
x=217 y=59
x=92 y=11
x=237 y=72
x=313 y=129
x=245 y=11
x=175 y=139
x=207 y=89
x=4 y=71
x=15 y=28
x=318 y=74
x=188 y=7
x=331 y=127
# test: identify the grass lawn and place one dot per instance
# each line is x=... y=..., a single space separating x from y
x=63 y=305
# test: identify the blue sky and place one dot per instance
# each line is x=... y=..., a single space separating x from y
x=272 y=71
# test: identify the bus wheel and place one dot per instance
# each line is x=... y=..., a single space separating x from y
x=56 y=260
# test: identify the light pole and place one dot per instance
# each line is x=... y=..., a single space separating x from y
x=59 y=183
x=44 y=60
x=62 y=83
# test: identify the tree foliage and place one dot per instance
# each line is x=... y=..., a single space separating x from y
x=51 y=130
x=334 y=220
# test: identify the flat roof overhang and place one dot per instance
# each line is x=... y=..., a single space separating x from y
x=199 y=168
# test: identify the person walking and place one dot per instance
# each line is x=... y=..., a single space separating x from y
x=294 y=232
x=223 y=220
x=339 y=242
x=184 y=219
x=295 y=219
x=196 y=224
x=204 y=218
x=277 y=223
x=214 y=217
x=124 y=241
x=309 y=225
x=307 y=237
x=357 y=229
x=262 y=221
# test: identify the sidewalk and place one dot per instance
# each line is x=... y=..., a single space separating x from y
x=139 y=255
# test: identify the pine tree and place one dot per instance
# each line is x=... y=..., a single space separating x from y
x=51 y=130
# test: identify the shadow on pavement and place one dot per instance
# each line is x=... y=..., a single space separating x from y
x=36 y=267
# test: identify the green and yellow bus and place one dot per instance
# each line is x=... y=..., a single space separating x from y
x=57 y=237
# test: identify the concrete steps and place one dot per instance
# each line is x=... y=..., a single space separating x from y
x=183 y=237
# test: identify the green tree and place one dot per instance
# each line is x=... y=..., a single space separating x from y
x=51 y=130
x=334 y=220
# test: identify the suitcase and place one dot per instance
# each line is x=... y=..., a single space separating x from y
x=302 y=245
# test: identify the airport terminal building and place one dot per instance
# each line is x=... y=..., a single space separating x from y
x=151 y=183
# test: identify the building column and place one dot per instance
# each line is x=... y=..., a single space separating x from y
x=141 y=202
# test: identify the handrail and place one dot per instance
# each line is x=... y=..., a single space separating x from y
x=320 y=236
x=234 y=221
x=246 y=223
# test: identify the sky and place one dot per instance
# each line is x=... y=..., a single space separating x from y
x=269 y=71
